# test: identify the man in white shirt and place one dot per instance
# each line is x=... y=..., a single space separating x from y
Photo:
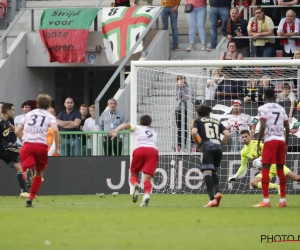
x=26 y=107
x=237 y=123
x=289 y=26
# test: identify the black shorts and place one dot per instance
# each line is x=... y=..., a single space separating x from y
x=10 y=155
x=211 y=160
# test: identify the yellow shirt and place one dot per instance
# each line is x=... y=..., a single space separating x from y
x=269 y=24
x=248 y=152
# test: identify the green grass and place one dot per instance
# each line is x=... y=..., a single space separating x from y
x=170 y=222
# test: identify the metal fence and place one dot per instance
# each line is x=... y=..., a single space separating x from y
x=93 y=143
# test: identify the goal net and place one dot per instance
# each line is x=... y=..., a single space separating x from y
x=170 y=91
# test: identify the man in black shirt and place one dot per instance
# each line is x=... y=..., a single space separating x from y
x=69 y=120
x=8 y=153
x=209 y=130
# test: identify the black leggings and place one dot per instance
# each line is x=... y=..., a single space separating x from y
x=178 y=119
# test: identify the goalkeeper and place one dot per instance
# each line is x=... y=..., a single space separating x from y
x=249 y=152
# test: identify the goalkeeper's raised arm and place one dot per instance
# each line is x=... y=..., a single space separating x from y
x=248 y=152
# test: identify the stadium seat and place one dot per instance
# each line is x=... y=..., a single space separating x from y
x=3 y=8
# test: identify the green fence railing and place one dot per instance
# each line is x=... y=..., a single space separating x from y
x=94 y=143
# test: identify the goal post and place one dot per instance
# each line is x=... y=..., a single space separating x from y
x=152 y=91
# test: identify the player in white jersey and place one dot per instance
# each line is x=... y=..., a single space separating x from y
x=144 y=157
x=238 y=122
x=32 y=131
x=274 y=126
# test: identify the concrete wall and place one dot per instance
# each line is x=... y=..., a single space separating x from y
x=19 y=83
x=158 y=49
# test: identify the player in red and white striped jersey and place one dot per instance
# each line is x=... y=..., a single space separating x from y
x=32 y=131
x=144 y=157
x=274 y=126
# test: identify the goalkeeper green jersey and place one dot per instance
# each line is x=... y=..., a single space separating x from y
x=248 y=152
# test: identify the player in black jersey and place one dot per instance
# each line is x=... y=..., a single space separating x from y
x=209 y=130
x=10 y=154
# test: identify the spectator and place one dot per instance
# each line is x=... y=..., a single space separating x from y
x=52 y=111
x=171 y=10
x=260 y=26
x=286 y=3
x=239 y=3
x=122 y=3
x=212 y=85
x=264 y=3
x=238 y=122
x=231 y=53
x=197 y=18
x=89 y=126
x=236 y=26
x=289 y=26
x=84 y=115
x=26 y=107
x=251 y=91
x=228 y=89
x=69 y=121
x=219 y=9
x=266 y=81
x=287 y=94
x=296 y=57
x=182 y=95
x=297 y=54
x=110 y=120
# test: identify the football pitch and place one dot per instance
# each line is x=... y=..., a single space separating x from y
x=169 y=222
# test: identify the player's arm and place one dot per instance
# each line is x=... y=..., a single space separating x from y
x=287 y=131
x=241 y=169
x=260 y=135
x=195 y=137
x=226 y=136
x=18 y=131
x=292 y=109
x=56 y=138
x=127 y=126
x=12 y=127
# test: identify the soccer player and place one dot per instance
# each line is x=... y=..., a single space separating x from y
x=32 y=131
x=249 y=152
x=8 y=153
x=274 y=126
x=144 y=157
x=209 y=130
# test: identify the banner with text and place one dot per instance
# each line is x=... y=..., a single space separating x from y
x=178 y=174
x=122 y=27
x=64 y=33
